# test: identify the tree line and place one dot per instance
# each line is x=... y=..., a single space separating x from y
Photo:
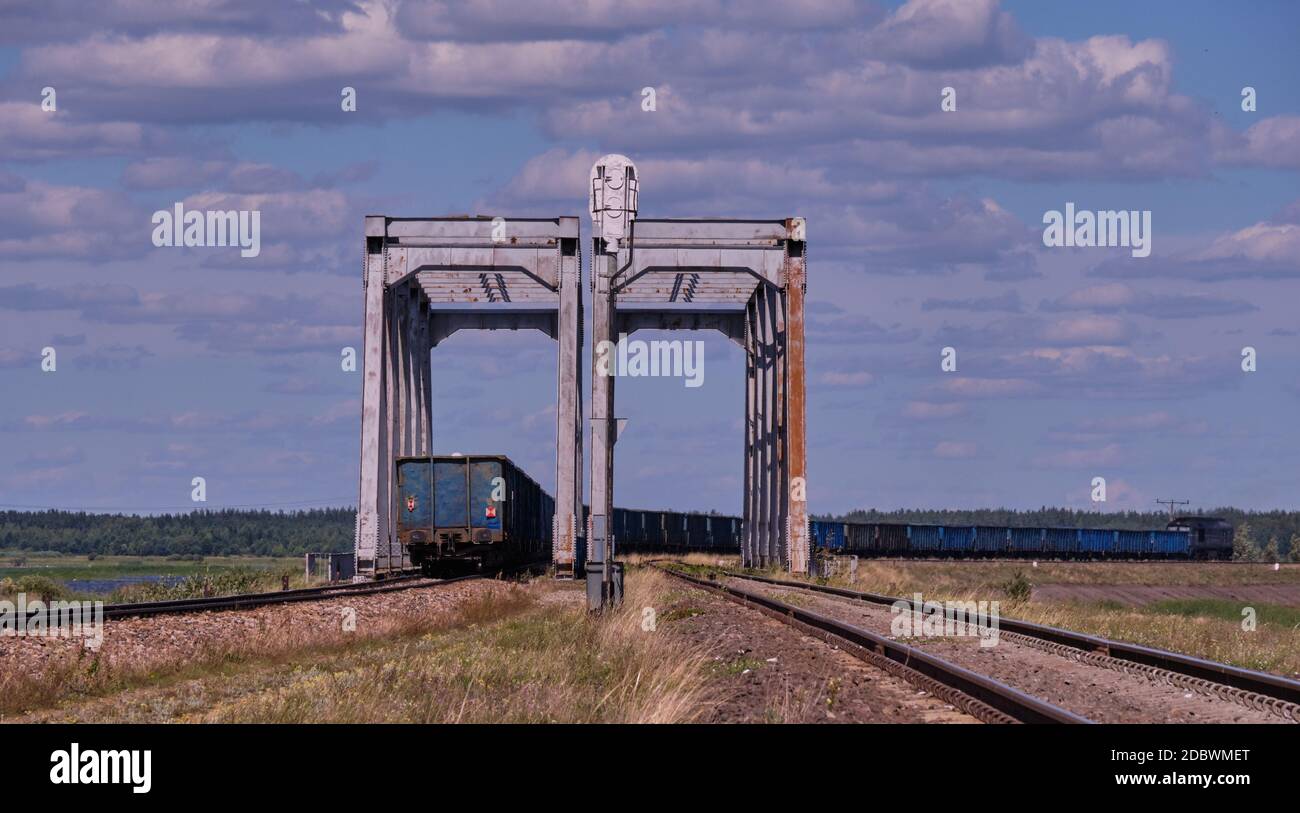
x=1261 y=535
x=198 y=533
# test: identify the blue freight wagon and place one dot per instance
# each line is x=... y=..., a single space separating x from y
x=891 y=540
x=1095 y=542
x=990 y=539
x=1060 y=541
x=1027 y=541
x=958 y=539
x=828 y=535
x=859 y=538
x=457 y=512
x=1171 y=544
x=1133 y=544
x=925 y=539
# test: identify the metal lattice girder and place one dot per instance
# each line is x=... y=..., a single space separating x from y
x=722 y=260
x=445 y=321
x=415 y=269
x=730 y=321
x=753 y=271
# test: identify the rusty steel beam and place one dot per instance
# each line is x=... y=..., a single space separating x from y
x=729 y=322
x=796 y=402
x=749 y=533
x=568 y=527
x=372 y=509
x=756 y=268
x=781 y=495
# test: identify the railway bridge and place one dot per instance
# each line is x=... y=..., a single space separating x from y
x=427 y=278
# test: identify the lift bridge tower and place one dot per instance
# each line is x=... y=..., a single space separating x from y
x=744 y=278
x=427 y=278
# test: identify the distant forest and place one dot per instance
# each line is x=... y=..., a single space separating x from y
x=1259 y=527
x=286 y=533
x=199 y=533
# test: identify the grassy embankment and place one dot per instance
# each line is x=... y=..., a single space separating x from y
x=513 y=654
x=46 y=576
x=1204 y=627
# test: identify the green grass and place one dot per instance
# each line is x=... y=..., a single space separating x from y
x=529 y=653
x=1227 y=610
x=678 y=613
x=46 y=573
x=63 y=567
x=739 y=665
x=1204 y=628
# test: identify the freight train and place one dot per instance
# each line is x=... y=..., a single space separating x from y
x=481 y=511
x=1183 y=538
x=458 y=512
x=476 y=512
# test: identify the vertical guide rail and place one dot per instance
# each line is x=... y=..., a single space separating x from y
x=748 y=530
x=407 y=417
x=568 y=525
x=763 y=446
x=372 y=501
x=781 y=494
x=603 y=268
x=796 y=396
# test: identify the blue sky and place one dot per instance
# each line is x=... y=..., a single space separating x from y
x=924 y=232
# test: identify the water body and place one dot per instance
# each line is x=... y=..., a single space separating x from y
x=106 y=586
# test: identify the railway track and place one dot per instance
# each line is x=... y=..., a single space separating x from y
x=994 y=560
x=1261 y=691
x=678 y=550
x=982 y=697
x=408 y=580
x=248 y=600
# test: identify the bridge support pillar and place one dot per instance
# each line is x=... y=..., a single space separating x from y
x=425 y=279
x=656 y=274
x=569 y=531
x=604 y=427
x=775 y=505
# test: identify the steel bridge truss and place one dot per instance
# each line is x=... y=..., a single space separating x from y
x=746 y=279
x=425 y=279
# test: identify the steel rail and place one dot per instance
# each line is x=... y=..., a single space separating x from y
x=407 y=581
x=249 y=600
x=1236 y=677
x=997 y=696
x=125 y=608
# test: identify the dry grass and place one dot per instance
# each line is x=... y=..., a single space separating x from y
x=903 y=576
x=1269 y=647
x=553 y=662
x=529 y=654
x=80 y=673
x=1274 y=645
x=702 y=559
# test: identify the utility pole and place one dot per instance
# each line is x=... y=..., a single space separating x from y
x=1172 y=503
